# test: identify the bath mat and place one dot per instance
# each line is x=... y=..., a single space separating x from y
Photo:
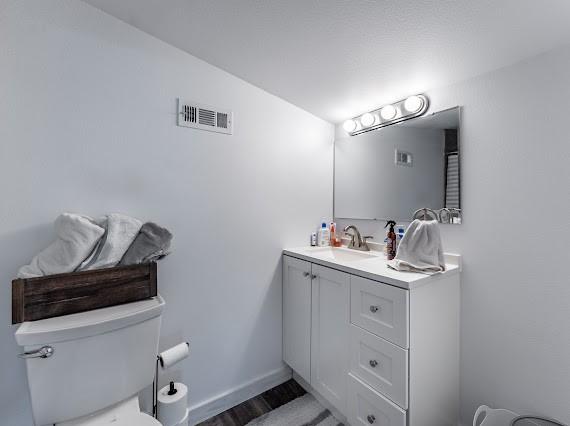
x=303 y=411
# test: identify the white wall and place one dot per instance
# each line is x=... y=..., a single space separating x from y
x=88 y=107
x=516 y=198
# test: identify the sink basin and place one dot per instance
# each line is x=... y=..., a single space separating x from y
x=341 y=254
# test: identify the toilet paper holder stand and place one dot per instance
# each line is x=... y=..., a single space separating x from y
x=160 y=361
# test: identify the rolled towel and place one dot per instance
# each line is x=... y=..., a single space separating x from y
x=151 y=243
x=121 y=231
x=77 y=235
x=421 y=249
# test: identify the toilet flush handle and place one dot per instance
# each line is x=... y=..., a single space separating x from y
x=43 y=352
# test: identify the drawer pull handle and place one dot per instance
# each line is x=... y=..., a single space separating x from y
x=371 y=419
x=314 y=277
x=374 y=309
x=373 y=363
x=306 y=274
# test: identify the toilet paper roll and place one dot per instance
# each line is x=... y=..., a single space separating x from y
x=172 y=408
x=173 y=355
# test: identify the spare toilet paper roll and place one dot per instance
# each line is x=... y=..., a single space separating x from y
x=172 y=408
x=173 y=355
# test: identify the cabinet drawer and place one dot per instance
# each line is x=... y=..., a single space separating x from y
x=380 y=364
x=381 y=309
x=367 y=407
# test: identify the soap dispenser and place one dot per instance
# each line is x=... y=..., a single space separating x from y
x=391 y=240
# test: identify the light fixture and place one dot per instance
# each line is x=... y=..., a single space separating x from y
x=367 y=119
x=413 y=103
x=388 y=112
x=396 y=112
x=349 y=126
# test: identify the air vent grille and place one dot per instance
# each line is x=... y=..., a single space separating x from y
x=189 y=113
x=222 y=120
x=202 y=117
x=404 y=158
x=207 y=117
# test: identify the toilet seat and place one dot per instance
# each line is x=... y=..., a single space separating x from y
x=126 y=413
x=140 y=419
x=134 y=419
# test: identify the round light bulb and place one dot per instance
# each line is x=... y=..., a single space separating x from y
x=388 y=112
x=349 y=126
x=413 y=103
x=367 y=119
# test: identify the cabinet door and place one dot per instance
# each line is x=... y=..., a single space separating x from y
x=297 y=315
x=329 y=343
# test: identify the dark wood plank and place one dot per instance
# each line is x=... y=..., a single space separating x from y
x=64 y=294
x=257 y=406
x=153 y=279
x=17 y=301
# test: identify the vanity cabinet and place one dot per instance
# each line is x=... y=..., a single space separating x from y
x=315 y=326
x=380 y=354
x=297 y=315
x=329 y=335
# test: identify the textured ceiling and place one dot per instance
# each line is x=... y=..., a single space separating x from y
x=338 y=58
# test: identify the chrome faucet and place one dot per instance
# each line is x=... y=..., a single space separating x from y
x=357 y=242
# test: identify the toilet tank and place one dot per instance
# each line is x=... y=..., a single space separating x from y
x=100 y=357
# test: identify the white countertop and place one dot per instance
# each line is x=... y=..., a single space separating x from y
x=372 y=265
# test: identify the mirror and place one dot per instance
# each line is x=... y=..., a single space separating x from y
x=392 y=172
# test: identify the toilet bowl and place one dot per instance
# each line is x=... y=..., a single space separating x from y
x=94 y=364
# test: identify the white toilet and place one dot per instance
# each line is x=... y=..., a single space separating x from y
x=88 y=368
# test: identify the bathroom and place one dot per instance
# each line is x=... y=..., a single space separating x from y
x=90 y=104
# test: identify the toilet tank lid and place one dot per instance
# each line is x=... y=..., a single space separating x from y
x=85 y=324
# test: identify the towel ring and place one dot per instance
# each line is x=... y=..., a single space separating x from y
x=425 y=214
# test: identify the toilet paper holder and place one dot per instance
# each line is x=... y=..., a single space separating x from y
x=160 y=360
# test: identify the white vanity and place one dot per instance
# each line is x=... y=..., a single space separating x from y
x=379 y=346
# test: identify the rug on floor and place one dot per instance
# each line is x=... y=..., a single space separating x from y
x=303 y=411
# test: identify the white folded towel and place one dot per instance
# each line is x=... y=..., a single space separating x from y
x=421 y=249
x=121 y=231
x=77 y=235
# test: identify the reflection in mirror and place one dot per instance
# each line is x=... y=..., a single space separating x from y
x=392 y=172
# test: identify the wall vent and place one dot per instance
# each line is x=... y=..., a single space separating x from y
x=404 y=158
x=203 y=117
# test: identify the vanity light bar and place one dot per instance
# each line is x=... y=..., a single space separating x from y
x=412 y=106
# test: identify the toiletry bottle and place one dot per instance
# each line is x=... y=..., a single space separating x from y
x=390 y=240
x=313 y=239
x=335 y=240
x=324 y=236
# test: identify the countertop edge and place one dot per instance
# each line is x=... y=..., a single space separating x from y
x=406 y=285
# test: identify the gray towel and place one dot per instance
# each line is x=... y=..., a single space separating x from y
x=151 y=243
x=77 y=235
x=121 y=231
x=421 y=249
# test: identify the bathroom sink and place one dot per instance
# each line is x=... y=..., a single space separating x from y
x=341 y=254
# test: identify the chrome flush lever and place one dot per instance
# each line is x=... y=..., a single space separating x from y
x=43 y=352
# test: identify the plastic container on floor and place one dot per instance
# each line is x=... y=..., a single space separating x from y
x=486 y=416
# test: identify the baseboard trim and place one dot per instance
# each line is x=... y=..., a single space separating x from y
x=230 y=398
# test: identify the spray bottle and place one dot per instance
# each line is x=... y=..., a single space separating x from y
x=391 y=240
